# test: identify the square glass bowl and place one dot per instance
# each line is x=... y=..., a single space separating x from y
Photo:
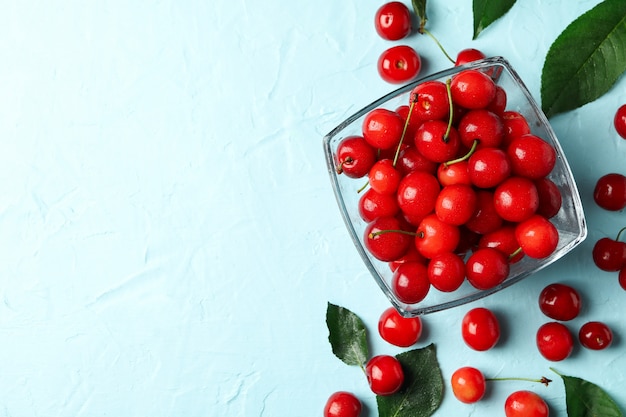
x=570 y=220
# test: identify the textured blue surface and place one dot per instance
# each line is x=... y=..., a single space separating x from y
x=169 y=237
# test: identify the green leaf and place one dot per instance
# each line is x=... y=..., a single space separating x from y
x=347 y=335
x=586 y=59
x=586 y=399
x=488 y=11
x=419 y=7
x=422 y=392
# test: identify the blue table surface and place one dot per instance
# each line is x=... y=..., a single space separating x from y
x=169 y=235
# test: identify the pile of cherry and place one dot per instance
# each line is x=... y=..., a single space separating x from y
x=457 y=186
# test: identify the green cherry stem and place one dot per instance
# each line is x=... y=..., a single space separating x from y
x=620 y=233
x=464 y=157
x=404 y=232
x=543 y=380
x=515 y=253
x=406 y=126
x=449 y=92
x=424 y=30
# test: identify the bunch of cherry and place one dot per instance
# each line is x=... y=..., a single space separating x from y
x=610 y=194
x=457 y=186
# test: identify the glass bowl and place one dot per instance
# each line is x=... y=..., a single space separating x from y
x=569 y=221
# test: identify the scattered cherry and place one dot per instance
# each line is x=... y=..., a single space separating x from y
x=619 y=121
x=610 y=254
x=622 y=277
x=384 y=374
x=554 y=341
x=399 y=64
x=393 y=21
x=560 y=302
x=525 y=404
x=480 y=329
x=595 y=335
x=468 y=55
x=398 y=330
x=468 y=384
x=342 y=404
x=610 y=192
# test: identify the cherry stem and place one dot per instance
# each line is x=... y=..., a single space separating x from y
x=406 y=126
x=464 y=157
x=405 y=232
x=424 y=30
x=620 y=233
x=515 y=253
x=543 y=380
x=363 y=187
x=449 y=92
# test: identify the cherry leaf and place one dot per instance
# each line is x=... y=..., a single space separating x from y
x=586 y=59
x=422 y=391
x=488 y=11
x=586 y=399
x=347 y=335
x=419 y=7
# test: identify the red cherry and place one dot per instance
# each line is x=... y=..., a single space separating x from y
x=384 y=374
x=342 y=404
x=457 y=173
x=525 y=404
x=384 y=241
x=456 y=204
x=436 y=142
x=504 y=240
x=382 y=128
x=411 y=255
x=487 y=268
x=480 y=329
x=515 y=124
x=446 y=271
x=482 y=125
x=609 y=254
x=472 y=89
x=610 y=192
x=485 y=218
x=468 y=384
x=550 y=199
x=417 y=193
x=410 y=282
x=432 y=101
x=537 y=236
x=468 y=55
x=488 y=167
x=516 y=199
x=373 y=204
x=355 y=157
x=498 y=104
x=434 y=236
x=398 y=330
x=619 y=121
x=622 y=277
x=554 y=341
x=384 y=177
x=560 y=302
x=399 y=64
x=393 y=21
x=531 y=156
x=410 y=159
x=595 y=335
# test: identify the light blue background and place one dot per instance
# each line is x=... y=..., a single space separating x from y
x=169 y=237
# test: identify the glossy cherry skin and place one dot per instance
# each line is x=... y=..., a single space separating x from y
x=480 y=329
x=410 y=282
x=482 y=125
x=457 y=173
x=384 y=177
x=486 y=268
x=531 y=156
x=383 y=128
x=373 y=204
x=554 y=341
x=410 y=159
x=503 y=240
x=516 y=199
x=472 y=89
x=560 y=302
x=355 y=157
x=515 y=124
x=398 y=330
x=446 y=271
x=383 y=239
x=619 y=121
x=399 y=64
x=537 y=236
x=456 y=204
x=411 y=255
x=488 y=167
x=468 y=384
x=595 y=335
x=434 y=236
x=384 y=374
x=417 y=193
x=392 y=21
x=525 y=404
x=436 y=142
x=550 y=198
x=609 y=254
x=468 y=55
x=432 y=101
x=610 y=192
x=485 y=218
x=342 y=404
